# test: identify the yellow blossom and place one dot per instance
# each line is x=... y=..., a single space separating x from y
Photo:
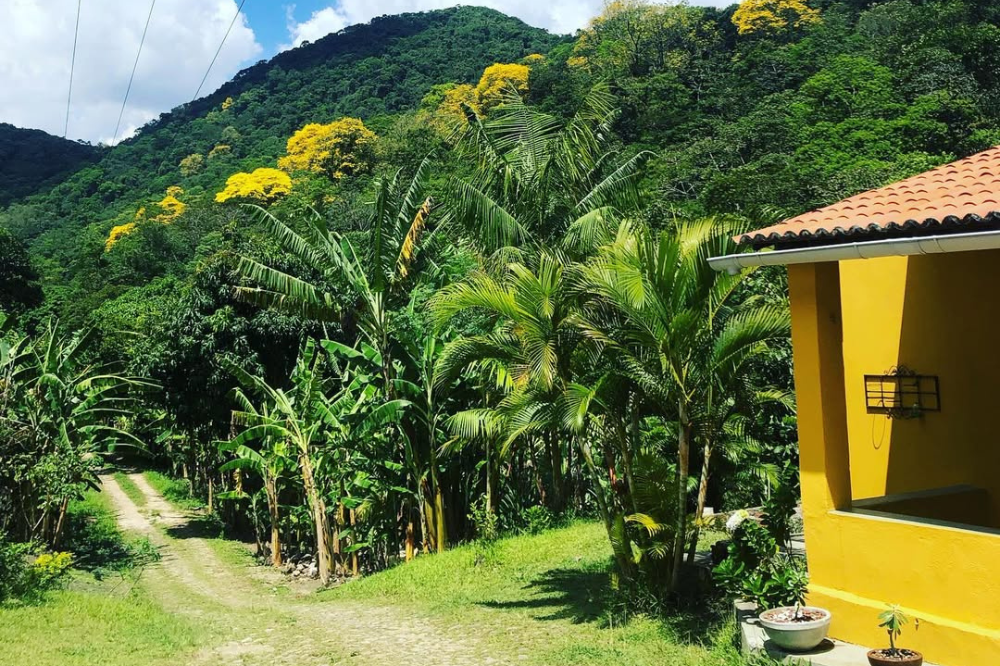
x=262 y=186
x=117 y=233
x=171 y=205
x=344 y=147
x=773 y=15
x=497 y=81
x=227 y=103
x=219 y=150
x=452 y=112
x=192 y=164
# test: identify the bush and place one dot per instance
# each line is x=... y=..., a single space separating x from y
x=25 y=579
x=487 y=530
x=537 y=519
x=755 y=569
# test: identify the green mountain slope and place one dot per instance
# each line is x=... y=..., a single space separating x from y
x=31 y=159
x=365 y=71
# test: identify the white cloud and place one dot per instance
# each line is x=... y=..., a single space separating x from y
x=560 y=16
x=36 y=42
x=318 y=25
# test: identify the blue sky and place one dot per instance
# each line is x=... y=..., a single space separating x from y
x=36 y=45
x=269 y=19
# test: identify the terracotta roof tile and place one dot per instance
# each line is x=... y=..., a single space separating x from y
x=964 y=193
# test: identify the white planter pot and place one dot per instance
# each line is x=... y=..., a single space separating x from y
x=796 y=636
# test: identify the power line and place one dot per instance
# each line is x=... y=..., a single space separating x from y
x=72 y=67
x=239 y=10
x=134 y=66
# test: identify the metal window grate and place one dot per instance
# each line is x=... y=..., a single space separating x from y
x=902 y=394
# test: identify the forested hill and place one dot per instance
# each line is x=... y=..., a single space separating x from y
x=32 y=159
x=364 y=71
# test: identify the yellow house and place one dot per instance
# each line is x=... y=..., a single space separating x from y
x=895 y=299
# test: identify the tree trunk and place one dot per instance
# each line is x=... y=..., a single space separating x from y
x=702 y=498
x=440 y=522
x=410 y=536
x=355 y=568
x=554 y=451
x=319 y=518
x=270 y=489
x=542 y=496
x=490 y=480
x=683 y=461
x=60 y=523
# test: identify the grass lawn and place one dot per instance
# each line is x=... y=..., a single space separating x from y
x=130 y=489
x=102 y=617
x=90 y=624
x=176 y=491
x=548 y=596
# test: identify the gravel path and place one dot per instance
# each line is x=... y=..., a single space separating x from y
x=254 y=620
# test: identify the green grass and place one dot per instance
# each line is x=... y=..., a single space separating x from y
x=95 y=541
x=94 y=626
x=130 y=489
x=102 y=617
x=175 y=491
x=549 y=597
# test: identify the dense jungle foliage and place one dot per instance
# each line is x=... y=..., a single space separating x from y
x=32 y=159
x=444 y=274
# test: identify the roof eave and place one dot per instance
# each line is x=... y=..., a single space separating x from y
x=895 y=247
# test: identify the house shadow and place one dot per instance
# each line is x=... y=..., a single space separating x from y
x=948 y=331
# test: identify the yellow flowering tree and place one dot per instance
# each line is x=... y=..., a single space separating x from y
x=451 y=112
x=220 y=150
x=771 y=16
x=192 y=164
x=227 y=103
x=117 y=233
x=122 y=230
x=262 y=186
x=171 y=205
x=342 y=148
x=497 y=80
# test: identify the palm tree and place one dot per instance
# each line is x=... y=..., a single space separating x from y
x=528 y=352
x=674 y=329
x=539 y=180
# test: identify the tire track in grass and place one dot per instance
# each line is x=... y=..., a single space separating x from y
x=255 y=626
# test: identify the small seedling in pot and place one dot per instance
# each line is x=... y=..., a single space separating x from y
x=893 y=620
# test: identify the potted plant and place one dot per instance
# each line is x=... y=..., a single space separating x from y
x=892 y=621
x=796 y=628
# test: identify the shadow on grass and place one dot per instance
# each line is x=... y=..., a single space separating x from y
x=586 y=596
x=568 y=594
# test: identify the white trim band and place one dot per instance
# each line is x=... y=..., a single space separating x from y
x=902 y=247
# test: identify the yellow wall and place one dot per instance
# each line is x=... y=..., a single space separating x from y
x=938 y=315
x=865 y=317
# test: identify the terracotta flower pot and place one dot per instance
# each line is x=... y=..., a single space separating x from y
x=901 y=658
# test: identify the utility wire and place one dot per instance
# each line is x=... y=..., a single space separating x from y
x=134 y=66
x=72 y=67
x=239 y=10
